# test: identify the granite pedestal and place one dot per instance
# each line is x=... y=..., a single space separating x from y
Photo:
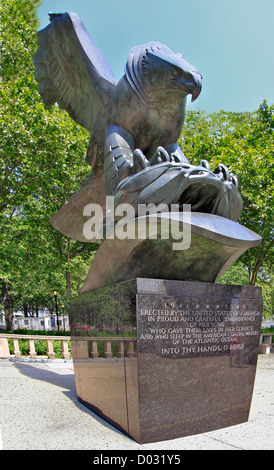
x=193 y=363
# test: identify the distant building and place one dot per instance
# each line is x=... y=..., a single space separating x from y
x=45 y=321
x=268 y=323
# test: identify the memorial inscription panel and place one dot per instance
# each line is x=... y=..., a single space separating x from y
x=190 y=327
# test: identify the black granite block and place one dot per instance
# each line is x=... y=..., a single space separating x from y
x=193 y=365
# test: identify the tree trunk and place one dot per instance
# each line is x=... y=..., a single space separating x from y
x=253 y=272
x=68 y=285
x=25 y=308
x=7 y=305
x=68 y=281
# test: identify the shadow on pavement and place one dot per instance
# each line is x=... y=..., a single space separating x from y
x=65 y=381
x=61 y=380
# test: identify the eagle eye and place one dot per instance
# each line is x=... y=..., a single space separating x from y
x=175 y=73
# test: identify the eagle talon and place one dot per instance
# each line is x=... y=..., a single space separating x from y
x=160 y=156
x=233 y=179
x=222 y=172
x=205 y=164
x=175 y=158
x=139 y=161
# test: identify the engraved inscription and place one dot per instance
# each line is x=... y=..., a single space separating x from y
x=188 y=327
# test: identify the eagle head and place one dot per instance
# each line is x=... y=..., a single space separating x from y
x=153 y=66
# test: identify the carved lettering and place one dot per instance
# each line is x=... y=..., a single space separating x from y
x=190 y=327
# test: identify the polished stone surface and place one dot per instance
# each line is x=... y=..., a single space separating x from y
x=195 y=360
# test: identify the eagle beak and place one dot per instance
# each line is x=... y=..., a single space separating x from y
x=197 y=86
x=191 y=80
x=196 y=92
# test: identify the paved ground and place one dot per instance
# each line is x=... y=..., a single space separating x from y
x=39 y=411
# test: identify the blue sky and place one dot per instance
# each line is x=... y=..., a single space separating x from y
x=229 y=41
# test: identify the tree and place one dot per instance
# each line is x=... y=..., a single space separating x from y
x=42 y=159
x=243 y=142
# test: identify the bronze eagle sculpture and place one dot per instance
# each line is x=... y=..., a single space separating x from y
x=134 y=124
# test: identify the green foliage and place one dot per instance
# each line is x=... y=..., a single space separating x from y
x=244 y=142
x=236 y=274
x=23 y=331
x=42 y=161
x=18 y=35
x=268 y=330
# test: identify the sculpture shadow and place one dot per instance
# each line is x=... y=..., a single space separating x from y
x=65 y=381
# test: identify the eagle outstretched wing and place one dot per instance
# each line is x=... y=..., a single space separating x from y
x=72 y=72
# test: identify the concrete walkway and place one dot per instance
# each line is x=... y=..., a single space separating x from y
x=39 y=411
